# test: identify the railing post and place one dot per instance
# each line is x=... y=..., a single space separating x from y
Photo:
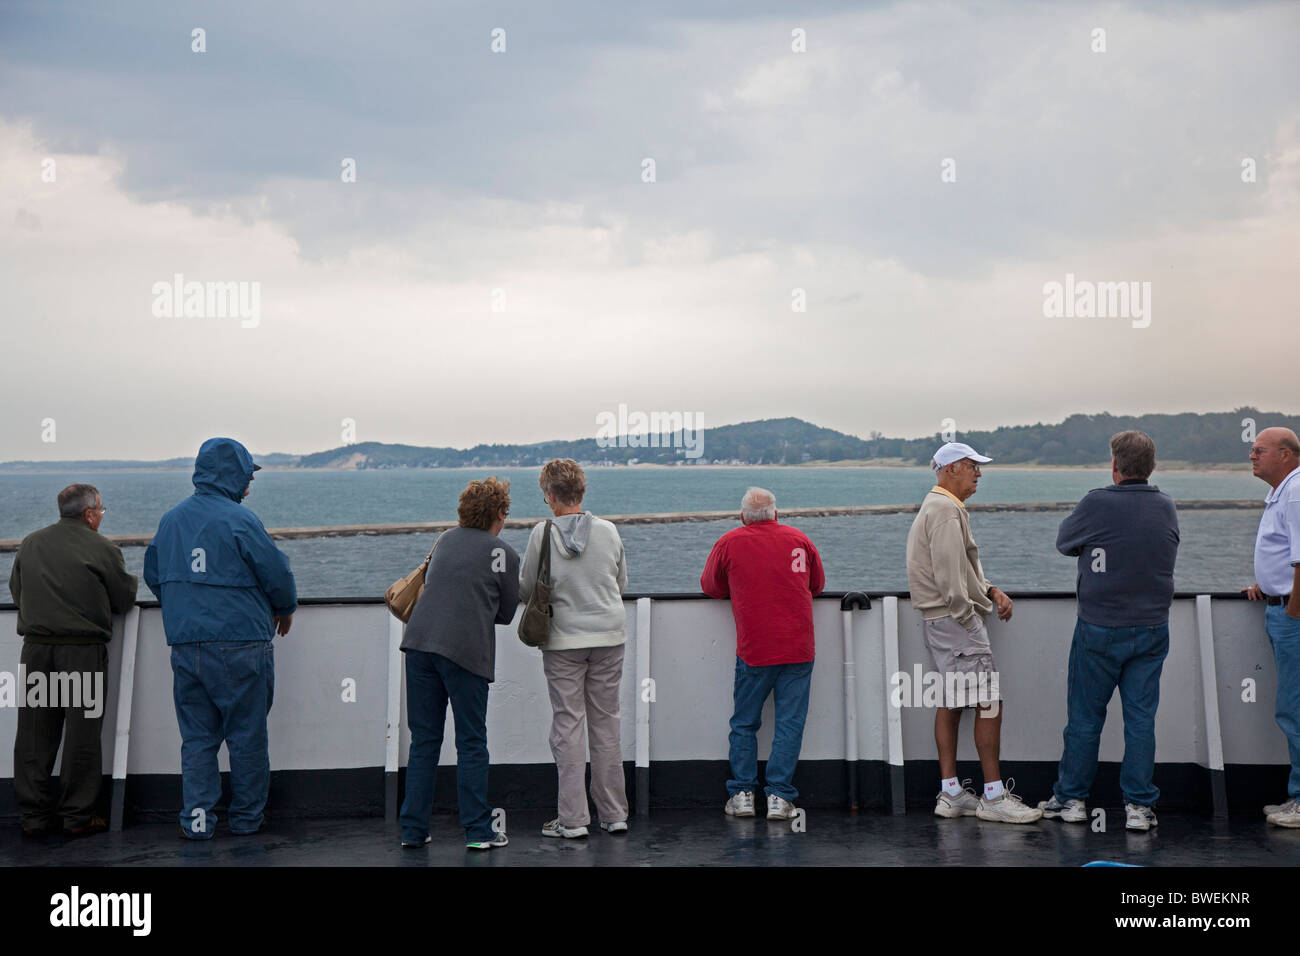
x=893 y=715
x=850 y=602
x=643 y=682
x=1210 y=693
x=125 y=696
x=395 y=629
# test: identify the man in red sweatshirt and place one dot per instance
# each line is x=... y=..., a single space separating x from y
x=771 y=572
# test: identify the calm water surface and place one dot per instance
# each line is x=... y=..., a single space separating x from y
x=859 y=552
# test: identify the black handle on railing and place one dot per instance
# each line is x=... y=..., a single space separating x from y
x=855 y=601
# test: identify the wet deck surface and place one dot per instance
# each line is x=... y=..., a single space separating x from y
x=688 y=838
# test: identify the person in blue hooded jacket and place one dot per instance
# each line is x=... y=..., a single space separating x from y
x=226 y=590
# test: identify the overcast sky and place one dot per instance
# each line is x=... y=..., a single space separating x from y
x=522 y=171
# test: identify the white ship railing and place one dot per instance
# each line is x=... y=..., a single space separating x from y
x=339 y=697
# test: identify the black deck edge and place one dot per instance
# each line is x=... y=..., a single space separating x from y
x=690 y=784
x=897 y=790
x=1219 y=794
x=390 y=796
x=642 y=801
x=118 y=804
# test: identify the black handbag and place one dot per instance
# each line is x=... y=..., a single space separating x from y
x=535 y=623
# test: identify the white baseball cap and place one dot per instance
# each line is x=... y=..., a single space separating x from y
x=956 y=451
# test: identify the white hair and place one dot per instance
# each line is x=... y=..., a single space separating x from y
x=759 y=504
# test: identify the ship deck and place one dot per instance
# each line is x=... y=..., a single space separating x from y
x=690 y=838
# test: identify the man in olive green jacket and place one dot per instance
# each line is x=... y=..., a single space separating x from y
x=68 y=582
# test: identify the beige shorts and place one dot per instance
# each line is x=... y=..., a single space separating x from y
x=963 y=660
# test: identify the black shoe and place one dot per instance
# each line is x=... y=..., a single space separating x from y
x=41 y=832
x=96 y=825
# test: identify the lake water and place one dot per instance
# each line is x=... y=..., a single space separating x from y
x=860 y=553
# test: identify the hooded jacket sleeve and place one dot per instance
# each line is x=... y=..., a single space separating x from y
x=528 y=570
x=270 y=565
x=151 y=570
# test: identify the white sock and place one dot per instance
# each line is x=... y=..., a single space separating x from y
x=952 y=787
x=992 y=791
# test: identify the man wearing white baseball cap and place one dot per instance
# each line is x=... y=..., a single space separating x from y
x=948 y=587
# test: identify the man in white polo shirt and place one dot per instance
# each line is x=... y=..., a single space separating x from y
x=1275 y=458
x=948 y=587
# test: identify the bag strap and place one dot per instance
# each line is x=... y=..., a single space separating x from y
x=544 y=565
x=429 y=558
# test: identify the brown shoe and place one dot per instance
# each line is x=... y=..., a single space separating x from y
x=96 y=825
x=40 y=832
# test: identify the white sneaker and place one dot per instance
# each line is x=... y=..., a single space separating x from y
x=1071 y=811
x=618 y=827
x=1138 y=817
x=740 y=805
x=557 y=829
x=1287 y=816
x=1272 y=808
x=963 y=805
x=498 y=839
x=779 y=808
x=1007 y=808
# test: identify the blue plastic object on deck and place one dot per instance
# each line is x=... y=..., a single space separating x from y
x=1110 y=863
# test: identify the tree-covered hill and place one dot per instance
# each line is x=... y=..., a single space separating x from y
x=1217 y=438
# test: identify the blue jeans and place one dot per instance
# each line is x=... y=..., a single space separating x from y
x=791 y=683
x=223 y=691
x=1102 y=658
x=1284 y=635
x=432 y=680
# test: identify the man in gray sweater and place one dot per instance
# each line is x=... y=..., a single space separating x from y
x=1126 y=539
x=472 y=585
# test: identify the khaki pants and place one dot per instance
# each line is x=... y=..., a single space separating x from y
x=584 y=685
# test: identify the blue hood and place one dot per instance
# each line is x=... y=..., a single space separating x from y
x=223 y=467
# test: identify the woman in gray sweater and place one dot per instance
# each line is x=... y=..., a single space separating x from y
x=471 y=586
x=583 y=659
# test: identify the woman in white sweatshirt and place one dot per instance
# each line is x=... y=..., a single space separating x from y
x=583 y=659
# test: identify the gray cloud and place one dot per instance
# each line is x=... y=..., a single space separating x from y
x=1053 y=143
